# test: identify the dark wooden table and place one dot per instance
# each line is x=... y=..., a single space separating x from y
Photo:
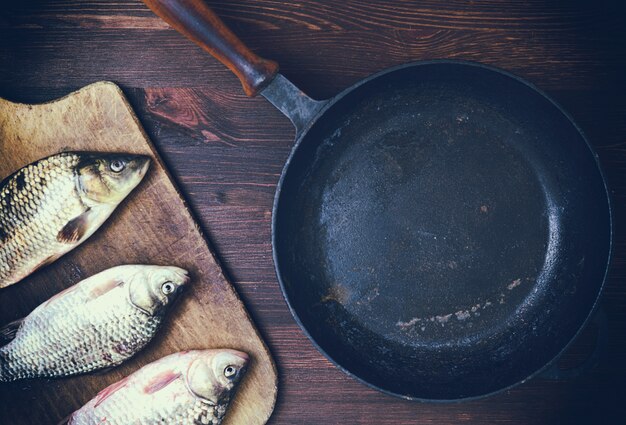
x=227 y=150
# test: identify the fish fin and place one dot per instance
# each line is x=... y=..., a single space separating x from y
x=103 y=371
x=8 y=331
x=49 y=260
x=60 y=294
x=68 y=420
x=101 y=288
x=75 y=229
x=109 y=391
x=91 y=288
x=161 y=381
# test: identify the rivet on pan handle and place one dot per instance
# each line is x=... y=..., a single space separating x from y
x=195 y=20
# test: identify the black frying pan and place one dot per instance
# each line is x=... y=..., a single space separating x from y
x=441 y=229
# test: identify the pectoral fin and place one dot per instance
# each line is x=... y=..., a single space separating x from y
x=8 y=331
x=161 y=381
x=75 y=229
x=103 y=287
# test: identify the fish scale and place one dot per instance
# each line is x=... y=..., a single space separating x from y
x=40 y=201
x=50 y=191
x=92 y=325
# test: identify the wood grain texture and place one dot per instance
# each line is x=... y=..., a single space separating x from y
x=152 y=227
x=227 y=151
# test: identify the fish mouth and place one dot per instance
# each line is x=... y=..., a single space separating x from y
x=142 y=164
x=243 y=356
x=186 y=278
x=182 y=276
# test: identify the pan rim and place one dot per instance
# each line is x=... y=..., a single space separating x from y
x=301 y=135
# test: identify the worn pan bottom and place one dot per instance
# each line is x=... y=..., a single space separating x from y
x=442 y=231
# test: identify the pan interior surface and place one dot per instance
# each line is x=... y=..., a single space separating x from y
x=442 y=231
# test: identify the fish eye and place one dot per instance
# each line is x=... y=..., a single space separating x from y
x=230 y=371
x=117 y=165
x=167 y=288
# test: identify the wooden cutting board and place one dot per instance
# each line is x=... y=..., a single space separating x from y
x=152 y=226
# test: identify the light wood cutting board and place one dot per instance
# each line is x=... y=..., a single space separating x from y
x=152 y=226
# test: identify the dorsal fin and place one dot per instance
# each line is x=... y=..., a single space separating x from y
x=47 y=261
x=60 y=294
x=109 y=391
x=8 y=331
x=102 y=371
x=67 y=420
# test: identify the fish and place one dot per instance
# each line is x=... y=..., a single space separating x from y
x=185 y=388
x=96 y=324
x=51 y=206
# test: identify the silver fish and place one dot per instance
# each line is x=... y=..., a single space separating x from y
x=51 y=206
x=187 y=388
x=97 y=323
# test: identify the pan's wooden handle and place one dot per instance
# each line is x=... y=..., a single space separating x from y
x=195 y=20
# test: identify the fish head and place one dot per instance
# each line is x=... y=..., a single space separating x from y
x=109 y=177
x=214 y=374
x=153 y=288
